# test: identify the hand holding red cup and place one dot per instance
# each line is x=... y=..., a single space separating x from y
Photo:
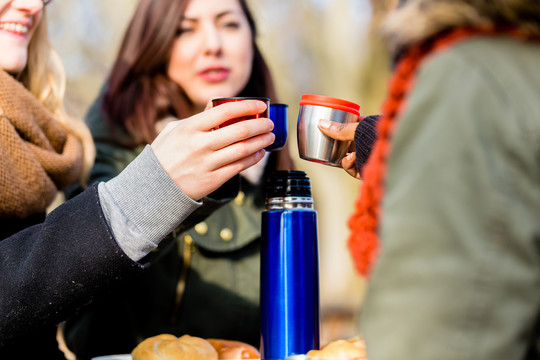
x=264 y=114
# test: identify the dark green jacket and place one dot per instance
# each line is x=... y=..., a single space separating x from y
x=203 y=281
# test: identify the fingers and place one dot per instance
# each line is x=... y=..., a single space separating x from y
x=229 y=170
x=337 y=130
x=348 y=164
x=209 y=181
x=240 y=131
x=211 y=171
x=240 y=150
x=215 y=116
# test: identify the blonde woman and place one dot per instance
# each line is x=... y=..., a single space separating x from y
x=51 y=265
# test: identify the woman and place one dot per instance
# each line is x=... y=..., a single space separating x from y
x=451 y=200
x=51 y=265
x=175 y=57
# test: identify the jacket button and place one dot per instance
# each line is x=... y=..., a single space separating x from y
x=226 y=234
x=239 y=199
x=201 y=228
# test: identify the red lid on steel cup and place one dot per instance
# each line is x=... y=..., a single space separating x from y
x=321 y=100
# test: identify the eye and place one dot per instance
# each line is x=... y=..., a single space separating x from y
x=231 y=25
x=184 y=30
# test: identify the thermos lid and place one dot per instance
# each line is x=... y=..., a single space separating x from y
x=288 y=183
x=338 y=104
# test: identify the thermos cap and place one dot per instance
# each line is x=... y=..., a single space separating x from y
x=334 y=103
x=288 y=183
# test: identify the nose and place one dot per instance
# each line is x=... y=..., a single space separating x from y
x=212 y=41
x=28 y=6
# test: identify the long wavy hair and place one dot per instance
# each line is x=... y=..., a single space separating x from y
x=139 y=92
x=45 y=78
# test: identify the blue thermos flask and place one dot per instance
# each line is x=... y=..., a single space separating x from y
x=289 y=268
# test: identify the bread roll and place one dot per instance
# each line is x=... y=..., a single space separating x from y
x=353 y=349
x=232 y=349
x=169 y=347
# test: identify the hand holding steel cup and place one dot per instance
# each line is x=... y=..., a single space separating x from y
x=343 y=132
x=313 y=145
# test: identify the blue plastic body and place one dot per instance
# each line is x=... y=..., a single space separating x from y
x=278 y=114
x=289 y=283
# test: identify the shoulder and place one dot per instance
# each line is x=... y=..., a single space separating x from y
x=101 y=128
x=476 y=101
x=488 y=79
x=503 y=63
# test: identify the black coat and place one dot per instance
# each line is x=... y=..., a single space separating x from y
x=50 y=269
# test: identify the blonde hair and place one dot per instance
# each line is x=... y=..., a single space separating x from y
x=45 y=78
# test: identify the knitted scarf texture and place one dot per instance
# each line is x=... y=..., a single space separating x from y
x=38 y=156
x=363 y=241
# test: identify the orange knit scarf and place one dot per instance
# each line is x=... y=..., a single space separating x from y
x=363 y=241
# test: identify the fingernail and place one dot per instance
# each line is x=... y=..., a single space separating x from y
x=350 y=156
x=324 y=123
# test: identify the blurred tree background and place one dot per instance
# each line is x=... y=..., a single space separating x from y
x=326 y=47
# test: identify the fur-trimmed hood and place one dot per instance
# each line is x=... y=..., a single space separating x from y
x=417 y=20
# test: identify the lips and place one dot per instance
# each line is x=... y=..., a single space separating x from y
x=216 y=74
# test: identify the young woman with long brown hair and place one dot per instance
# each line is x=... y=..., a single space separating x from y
x=174 y=58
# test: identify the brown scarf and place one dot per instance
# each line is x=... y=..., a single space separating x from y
x=38 y=156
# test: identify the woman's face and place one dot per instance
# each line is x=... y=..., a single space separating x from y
x=213 y=53
x=18 y=21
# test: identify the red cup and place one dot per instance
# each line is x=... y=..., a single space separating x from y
x=264 y=114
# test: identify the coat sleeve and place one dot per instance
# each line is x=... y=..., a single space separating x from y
x=457 y=276
x=51 y=269
x=364 y=139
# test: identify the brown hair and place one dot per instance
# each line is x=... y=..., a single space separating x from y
x=139 y=92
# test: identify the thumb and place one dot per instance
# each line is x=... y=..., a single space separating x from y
x=338 y=131
x=209 y=105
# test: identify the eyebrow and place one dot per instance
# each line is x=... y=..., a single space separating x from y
x=220 y=15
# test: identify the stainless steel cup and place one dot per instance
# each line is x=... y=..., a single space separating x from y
x=315 y=146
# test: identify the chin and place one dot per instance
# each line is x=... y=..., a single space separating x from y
x=213 y=92
x=223 y=90
x=13 y=69
x=13 y=66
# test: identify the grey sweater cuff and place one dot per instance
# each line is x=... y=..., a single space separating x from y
x=143 y=204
